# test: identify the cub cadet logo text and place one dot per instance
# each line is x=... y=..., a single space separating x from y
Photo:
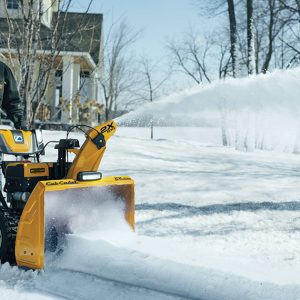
x=107 y=128
x=61 y=182
x=122 y=178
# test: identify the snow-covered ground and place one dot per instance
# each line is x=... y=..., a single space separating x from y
x=211 y=223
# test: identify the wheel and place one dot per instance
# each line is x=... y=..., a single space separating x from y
x=8 y=231
x=55 y=237
x=51 y=239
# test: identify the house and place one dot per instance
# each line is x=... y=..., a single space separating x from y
x=71 y=94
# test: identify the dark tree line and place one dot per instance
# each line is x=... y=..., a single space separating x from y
x=255 y=37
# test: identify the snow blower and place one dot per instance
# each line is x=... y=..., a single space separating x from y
x=43 y=197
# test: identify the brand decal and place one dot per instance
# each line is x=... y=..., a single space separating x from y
x=37 y=170
x=18 y=138
x=122 y=178
x=60 y=182
x=107 y=128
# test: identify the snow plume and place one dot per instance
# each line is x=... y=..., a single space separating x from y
x=254 y=112
x=86 y=211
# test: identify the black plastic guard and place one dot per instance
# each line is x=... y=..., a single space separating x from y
x=99 y=140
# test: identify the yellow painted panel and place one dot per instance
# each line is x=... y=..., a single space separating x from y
x=24 y=147
x=89 y=156
x=30 y=239
x=36 y=170
x=29 y=249
x=33 y=169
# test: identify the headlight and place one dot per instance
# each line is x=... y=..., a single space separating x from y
x=87 y=176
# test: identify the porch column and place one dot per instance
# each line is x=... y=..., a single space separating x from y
x=76 y=98
x=92 y=87
x=51 y=89
x=67 y=89
x=76 y=79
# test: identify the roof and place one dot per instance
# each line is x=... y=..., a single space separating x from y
x=78 y=32
x=81 y=32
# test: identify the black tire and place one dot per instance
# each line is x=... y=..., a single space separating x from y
x=51 y=239
x=8 y=231
x=55 y=237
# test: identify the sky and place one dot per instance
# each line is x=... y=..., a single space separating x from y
x=159 y=20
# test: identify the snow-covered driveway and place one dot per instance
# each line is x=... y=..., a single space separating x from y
x=212 y=223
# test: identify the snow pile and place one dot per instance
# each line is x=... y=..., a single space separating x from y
x=134 y=268
x=18 y=284
x=255 y=112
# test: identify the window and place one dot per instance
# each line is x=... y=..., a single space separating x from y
x=12 y=4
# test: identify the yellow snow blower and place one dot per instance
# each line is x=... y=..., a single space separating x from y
x=42 y=198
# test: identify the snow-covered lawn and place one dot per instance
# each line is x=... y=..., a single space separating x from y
x=211 y=223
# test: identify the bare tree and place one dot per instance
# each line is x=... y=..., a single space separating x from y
x=273 y=23
x=36 y=49
x=271 y=35
x=190 y=57
x=233 y=35
x=218 y=8
x=250 y=38
x=290 y=34
x=118 y=76
x=261 y=38
x=220 y=55
x=151 y=83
